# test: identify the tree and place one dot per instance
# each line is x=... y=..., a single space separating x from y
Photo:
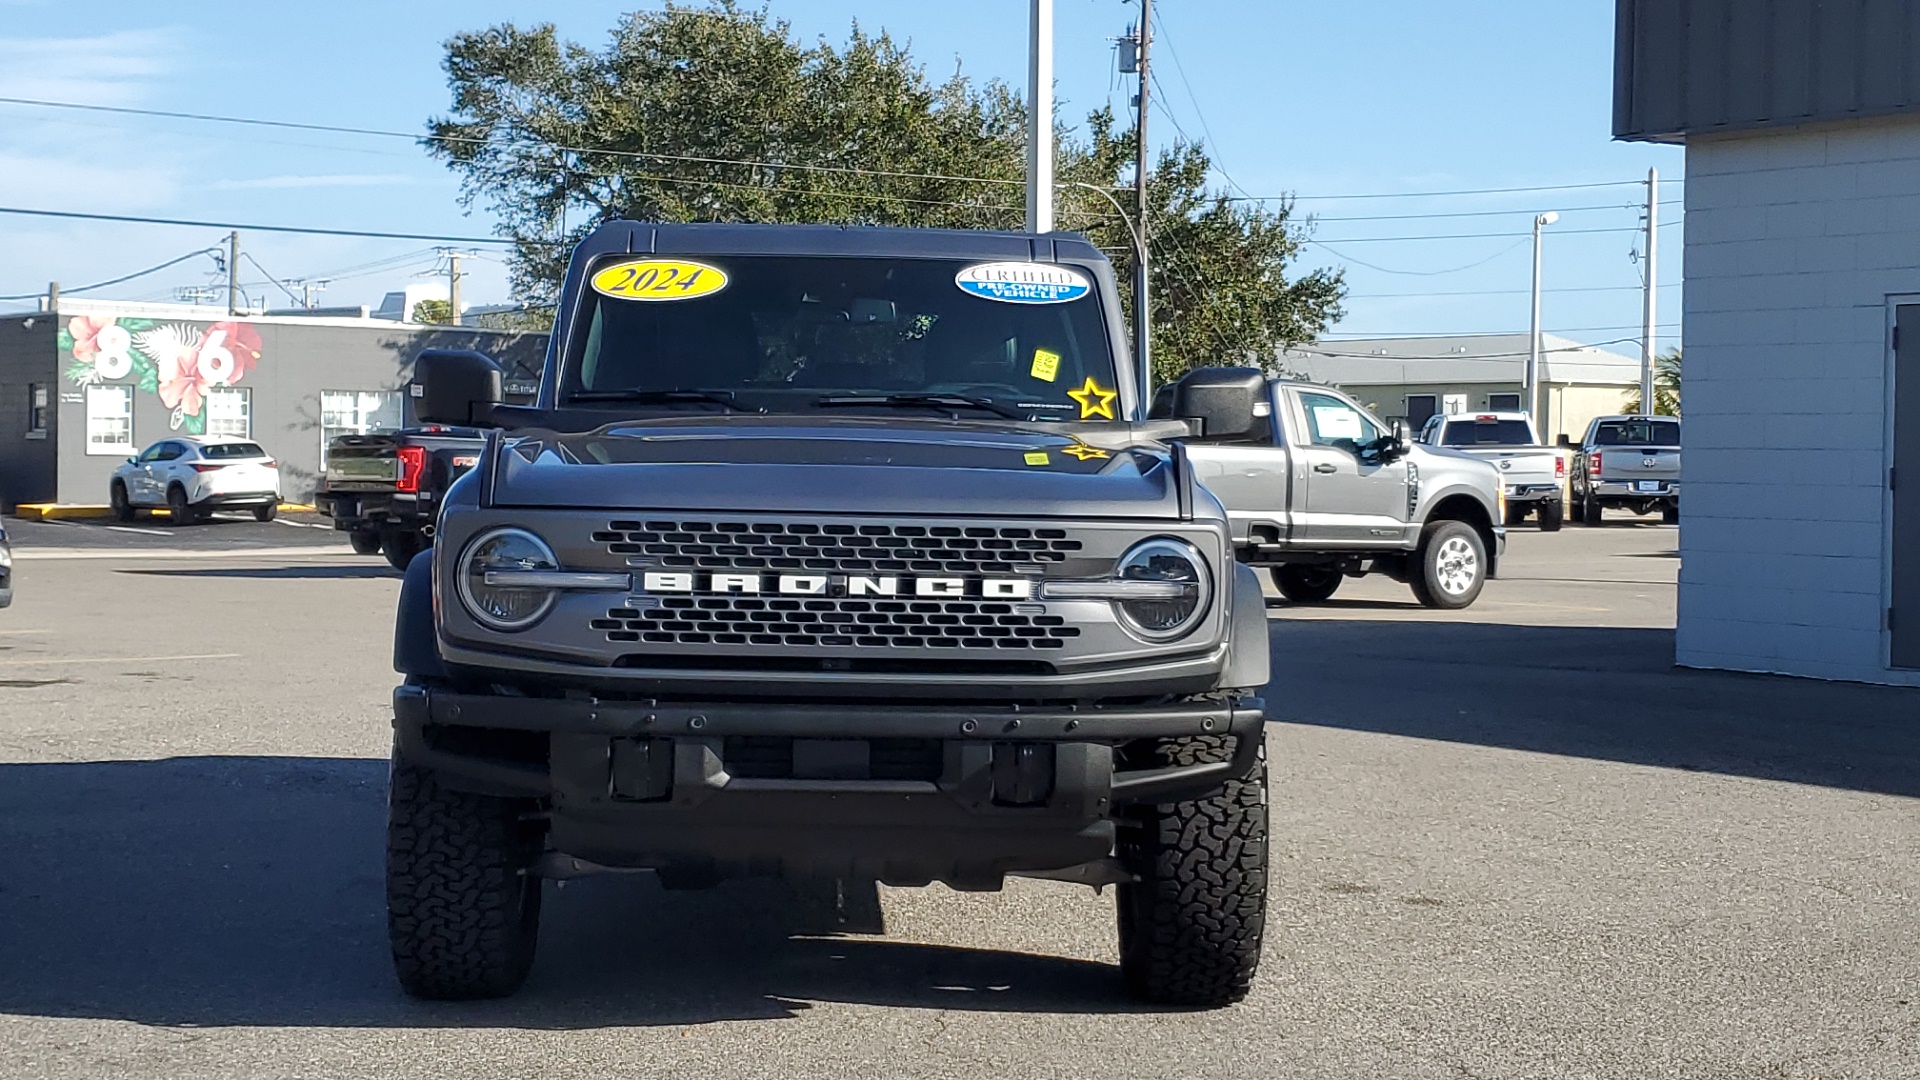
x=719 y=114
x=1666 y=386
x=433 y=311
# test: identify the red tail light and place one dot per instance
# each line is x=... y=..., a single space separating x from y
x=413 y=465
x=202 y=466
x=1559 y=467
x=270 y=464
x=1593 y=464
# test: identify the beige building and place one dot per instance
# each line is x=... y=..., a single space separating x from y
x=1413 y=378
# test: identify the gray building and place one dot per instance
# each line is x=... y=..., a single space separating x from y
x=84 y=387
x=1801 y=122
x=1413 y=378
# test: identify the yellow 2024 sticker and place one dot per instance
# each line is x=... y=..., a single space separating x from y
x=1095 y=400
x=1046 y=365
x=659 y=279
x=1038 y=457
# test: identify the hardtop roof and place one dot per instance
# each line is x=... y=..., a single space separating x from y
x=725 y=238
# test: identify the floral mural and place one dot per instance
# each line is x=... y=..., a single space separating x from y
x=177 y=362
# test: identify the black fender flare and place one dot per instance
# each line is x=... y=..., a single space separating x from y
x=416 y=643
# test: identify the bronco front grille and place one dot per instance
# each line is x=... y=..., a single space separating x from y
x=836 y=621
x=840 y=547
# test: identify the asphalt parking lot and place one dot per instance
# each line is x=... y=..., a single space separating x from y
x=1508 y=842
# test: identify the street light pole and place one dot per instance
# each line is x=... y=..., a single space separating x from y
x=1142 y=308
x=1533 y=338
x=1040 y=117
x=1647 y=343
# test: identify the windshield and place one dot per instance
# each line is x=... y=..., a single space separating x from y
x=1638 y=433
x=793 y=334
x=1487 y=433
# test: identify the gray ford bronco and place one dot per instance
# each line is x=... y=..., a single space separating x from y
x=842 y=555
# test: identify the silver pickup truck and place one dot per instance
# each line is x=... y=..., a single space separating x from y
x=1631 y=462
x=1326 y=491
x=1534 y=475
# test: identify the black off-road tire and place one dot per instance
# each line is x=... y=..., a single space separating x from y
x=1306 y=584
x=1190 y=926
x=463 y=916
x=1552 y=513
x=364 y=541
x=1590 y=512
x=1450 y=552
x=400 y=547
x=122 y=505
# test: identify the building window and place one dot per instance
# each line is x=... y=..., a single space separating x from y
x=38 y=397
x=356 y=412
x=230 y=412
x=110 y=420
x=1503 y=402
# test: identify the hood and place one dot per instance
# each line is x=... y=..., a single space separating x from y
x=838 y=464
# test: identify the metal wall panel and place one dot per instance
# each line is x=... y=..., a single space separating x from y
x=1684 y=67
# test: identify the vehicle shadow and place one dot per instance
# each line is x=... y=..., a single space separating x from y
x=273 y=572
x=224 y=891
x=1596 y=692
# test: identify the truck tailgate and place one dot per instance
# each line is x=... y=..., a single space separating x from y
x=1628 y=464
x=1521 y=464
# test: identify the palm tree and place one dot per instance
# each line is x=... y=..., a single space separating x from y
x=1666 y=386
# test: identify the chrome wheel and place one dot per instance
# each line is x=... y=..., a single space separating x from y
x=1457 y=566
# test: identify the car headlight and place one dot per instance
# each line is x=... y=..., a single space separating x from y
x=500 y=606
x=1173 y=590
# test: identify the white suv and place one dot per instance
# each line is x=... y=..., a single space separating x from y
x=194 y=476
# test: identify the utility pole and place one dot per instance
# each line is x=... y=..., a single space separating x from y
x=1142 y=322
x=1040 y=117
x=233 y=272
x=453 y=287
x=1532 y=396
x=1647 y=343
x=53 y=298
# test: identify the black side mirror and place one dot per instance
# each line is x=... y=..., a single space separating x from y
x=1564 y=442
x=1231 y=403
x=459 y=387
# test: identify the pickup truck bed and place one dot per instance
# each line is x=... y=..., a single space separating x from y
x=384 y=489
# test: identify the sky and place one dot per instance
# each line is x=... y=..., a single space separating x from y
x=1327 y=102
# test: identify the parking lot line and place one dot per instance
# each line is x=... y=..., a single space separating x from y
x=120 y=659
x=4 y=633
x=142 y=532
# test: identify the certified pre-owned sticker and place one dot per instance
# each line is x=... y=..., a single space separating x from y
x=1023 y=283
x=659 y=279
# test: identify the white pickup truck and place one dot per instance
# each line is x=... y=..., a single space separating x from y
x=1532 y=474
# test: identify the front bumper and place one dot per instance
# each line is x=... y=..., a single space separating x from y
x=657 y=784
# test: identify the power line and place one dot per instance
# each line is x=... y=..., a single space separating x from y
x=1515 y=246
x=1505 y=292
x=1480 y=356
x=118 y=280
x=1360 y=336
x=1469 y=213
x=1462 y=191
x=291 y=295
x=1482 y=236
x=267 y=228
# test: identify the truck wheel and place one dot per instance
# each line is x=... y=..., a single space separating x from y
x=1590 y=511
x=400 y=548
x=364 y=541
x=1306 y=584
x=1516 y=514
x=1190 y=926
x=1450 y=565
x=1670 y=514
x=462 y=914
x=122 y=506
x=1552 y=513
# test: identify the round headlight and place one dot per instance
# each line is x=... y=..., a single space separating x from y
x=1181 y=586
x=501 y=606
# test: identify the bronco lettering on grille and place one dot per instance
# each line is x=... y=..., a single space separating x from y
x=683 y=581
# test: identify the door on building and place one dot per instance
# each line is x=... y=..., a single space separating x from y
x=1903 y=615
x=1420 y=409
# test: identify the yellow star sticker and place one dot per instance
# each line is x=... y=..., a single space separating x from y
x=1084 y=452
x=1095 y=401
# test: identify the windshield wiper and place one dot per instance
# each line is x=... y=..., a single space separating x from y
x=923 y=401
x=723 y=398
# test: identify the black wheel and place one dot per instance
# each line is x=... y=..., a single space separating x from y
x=179 y=510
x=1450 y=565
x=265 y=513
x=1306 y=584
x=1552 y=513
x=463 y=915
x=364 y=541
x=400 y=547
x=1516 y=514
x=1670 y=514
x=1590 y=511
x=122 y=506
x=1190 y=926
